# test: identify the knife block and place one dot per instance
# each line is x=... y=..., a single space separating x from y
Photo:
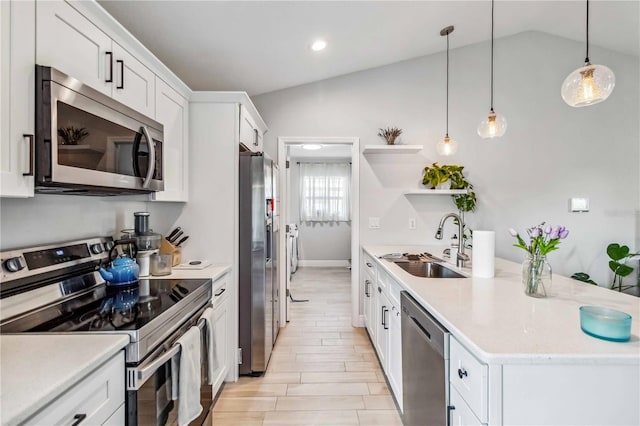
x=167 y=248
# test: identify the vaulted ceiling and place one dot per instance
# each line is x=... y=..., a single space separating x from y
x=262 y=46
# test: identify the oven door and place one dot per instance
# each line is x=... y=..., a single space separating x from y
x=87 y=140
x=149 y=385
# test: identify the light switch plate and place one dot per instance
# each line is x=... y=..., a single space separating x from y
x=579 y=205
x=412 y=223
x=374 y=223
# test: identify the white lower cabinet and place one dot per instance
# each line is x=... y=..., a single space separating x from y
x=95 y=400
x=368 y=287
x=382 y=326
x=470 y=378
x=459 y=412
x=221 y=312
x=394 y=364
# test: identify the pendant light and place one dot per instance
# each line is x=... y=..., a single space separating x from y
x=447 y=146
x=495 y=124
x=590 y=84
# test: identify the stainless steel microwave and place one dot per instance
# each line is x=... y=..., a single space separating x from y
x=89 y=144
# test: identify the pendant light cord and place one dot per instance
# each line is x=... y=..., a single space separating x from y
x=586 y=59
x=492 y=1
x=447 y=115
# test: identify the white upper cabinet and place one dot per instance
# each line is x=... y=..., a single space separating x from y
x=172 y=111
x=251 y=135
x=70 y=42
x=17 y=97
x=134 y=83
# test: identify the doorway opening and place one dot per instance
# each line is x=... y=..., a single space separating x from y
x=319 y=192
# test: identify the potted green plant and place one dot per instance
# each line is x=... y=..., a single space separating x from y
x=619 y=256
x=436 y=175
x=390 y=134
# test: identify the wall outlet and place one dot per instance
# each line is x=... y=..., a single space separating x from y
x=374 y=223
x=579 y=205
x=412 y=223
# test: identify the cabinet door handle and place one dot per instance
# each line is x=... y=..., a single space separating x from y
x=220 y=292
x=121 y=62
x=450 y=408
x=369 y=265
x=78 y=418
x=462 y=372
x=256 y=137
x=110 y=79
x=367 y=283
x=384 y=322
x=32 y=143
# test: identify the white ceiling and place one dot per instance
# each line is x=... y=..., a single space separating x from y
x=262 y=46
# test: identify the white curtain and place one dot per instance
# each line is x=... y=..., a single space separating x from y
x=325 y=192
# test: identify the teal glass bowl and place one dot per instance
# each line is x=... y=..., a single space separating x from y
x=605 y=323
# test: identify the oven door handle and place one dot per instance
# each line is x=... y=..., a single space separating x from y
x=137 y=376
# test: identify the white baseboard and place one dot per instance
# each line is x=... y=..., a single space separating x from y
x=324 y=263
x=360 y=322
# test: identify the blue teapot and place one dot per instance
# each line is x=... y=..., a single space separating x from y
x=124 y=271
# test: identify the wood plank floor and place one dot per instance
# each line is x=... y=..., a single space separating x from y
x=322 y=370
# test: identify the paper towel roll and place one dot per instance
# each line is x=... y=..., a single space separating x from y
x=484 y=251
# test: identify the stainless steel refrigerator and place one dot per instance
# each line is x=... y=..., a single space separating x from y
x=258 y=280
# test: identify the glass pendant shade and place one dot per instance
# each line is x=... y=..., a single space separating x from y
x=447 y=146
x=494 y=126
x=588 y=85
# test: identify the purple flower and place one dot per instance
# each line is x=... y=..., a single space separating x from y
x=513 y=232
x=563 y=233
x=547 y=230
x=555 y=232
x=535 y=232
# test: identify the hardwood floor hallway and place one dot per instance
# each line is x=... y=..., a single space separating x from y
x=322 y=371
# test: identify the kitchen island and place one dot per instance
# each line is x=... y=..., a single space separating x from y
x=537 y=365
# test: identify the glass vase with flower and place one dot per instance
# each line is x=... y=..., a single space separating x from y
x=536 y=271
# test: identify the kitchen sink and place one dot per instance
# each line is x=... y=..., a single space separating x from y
x=427 y=269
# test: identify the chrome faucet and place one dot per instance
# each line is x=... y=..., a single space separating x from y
x=461 y=257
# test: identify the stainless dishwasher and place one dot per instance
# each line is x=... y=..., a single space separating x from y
x=425 y=366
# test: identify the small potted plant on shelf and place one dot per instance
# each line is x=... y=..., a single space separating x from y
x=390 y=134
x=450 y=176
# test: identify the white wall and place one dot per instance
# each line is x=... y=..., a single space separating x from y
x=317 y=240
x=550 y=153
x=56 y=218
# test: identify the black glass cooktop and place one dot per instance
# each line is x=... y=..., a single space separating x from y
x=109 y=308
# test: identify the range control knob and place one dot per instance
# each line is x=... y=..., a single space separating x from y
x=96 y=248
x=108 y=245
x=14 y=264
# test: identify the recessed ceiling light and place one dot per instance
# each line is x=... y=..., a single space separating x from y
x=318 y=45
x=312 y=147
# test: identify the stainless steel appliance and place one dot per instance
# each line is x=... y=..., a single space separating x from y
x=55 y=289
x=258 y=279
x=89 y=144
x=425 y=366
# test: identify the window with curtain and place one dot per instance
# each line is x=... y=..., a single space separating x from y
x=325 y=192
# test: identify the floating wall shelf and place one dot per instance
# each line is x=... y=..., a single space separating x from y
x=435 y=192
x=392 y=149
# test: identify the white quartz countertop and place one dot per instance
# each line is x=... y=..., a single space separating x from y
x=35 y=369
x=212 y=271
x=493 y=316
